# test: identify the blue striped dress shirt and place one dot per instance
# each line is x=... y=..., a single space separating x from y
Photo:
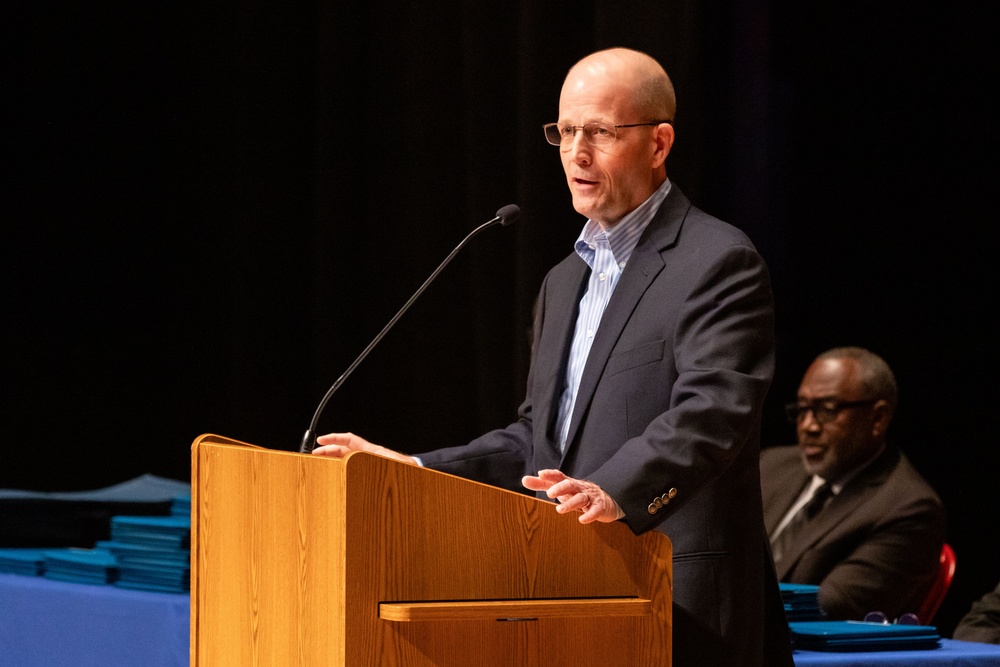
x=606 y=252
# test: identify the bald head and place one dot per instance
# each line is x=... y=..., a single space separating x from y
x=647 y=82
x=628 y=96
x=874 y=376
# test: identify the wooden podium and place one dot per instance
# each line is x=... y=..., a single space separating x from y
x=365 y=561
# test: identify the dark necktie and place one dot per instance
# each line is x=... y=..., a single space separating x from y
x=783 y=541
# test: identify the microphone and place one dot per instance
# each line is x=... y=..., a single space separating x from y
x=504 y=216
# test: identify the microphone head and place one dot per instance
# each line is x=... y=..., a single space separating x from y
x=509 y=214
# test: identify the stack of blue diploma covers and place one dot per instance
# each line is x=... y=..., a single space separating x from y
x=862 y=636
x=81 y=566
x=28 y=562
x=801 y=602
x=146 y=550
x=153 y=552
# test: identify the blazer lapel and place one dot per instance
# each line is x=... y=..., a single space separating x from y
x=560 y=309
x=643 y=266
x=786 y=495
x=845 y=504
x=839 y=508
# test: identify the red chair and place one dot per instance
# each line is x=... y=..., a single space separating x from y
x=946 y=572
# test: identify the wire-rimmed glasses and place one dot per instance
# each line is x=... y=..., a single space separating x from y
x=598 y=134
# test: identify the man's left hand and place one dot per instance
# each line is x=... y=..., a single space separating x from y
x=575 y=495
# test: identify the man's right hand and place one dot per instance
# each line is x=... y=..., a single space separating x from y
x=339 y=445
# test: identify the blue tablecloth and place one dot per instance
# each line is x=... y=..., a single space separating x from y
x=951 y=654
x=49 y=623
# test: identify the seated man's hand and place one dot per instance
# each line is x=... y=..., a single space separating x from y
x=575 y=495
x=339 y=445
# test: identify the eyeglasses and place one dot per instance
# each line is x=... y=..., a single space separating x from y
x=879 y=617
x=596 y=134
x=823 y=411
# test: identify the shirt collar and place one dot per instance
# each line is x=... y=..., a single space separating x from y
x=624 y=235
x=844 y=480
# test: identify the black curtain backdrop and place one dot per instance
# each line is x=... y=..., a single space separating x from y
x=210 y=209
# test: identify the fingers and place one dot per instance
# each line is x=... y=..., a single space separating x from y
x=575 y=495
x=339 y=445
x=569 y=487
x=555 y=484
x=332 y=451
x=576 y=502
x=349 y=440
x=597 y=509
x=602 y=507
x=544 y=480
x=552 y=475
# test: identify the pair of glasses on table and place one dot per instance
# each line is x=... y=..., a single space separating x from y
x=879 y=617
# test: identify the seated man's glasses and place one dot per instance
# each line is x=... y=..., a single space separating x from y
x=823 y=411
x=601 y=135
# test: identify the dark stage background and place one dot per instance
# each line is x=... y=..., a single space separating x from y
x=210 y=208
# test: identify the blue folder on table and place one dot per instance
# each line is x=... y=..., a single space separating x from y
x=861 y=636
x=153 y=552
x=81 y=566
x=29 y=562
x=801 y=602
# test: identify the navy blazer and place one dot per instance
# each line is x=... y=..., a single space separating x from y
x=667 y=421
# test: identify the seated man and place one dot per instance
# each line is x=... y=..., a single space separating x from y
x=844 y=509
x=982 y=623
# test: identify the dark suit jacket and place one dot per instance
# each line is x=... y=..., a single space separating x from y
x=874 y=547
x=982 y=623
x=668 y=412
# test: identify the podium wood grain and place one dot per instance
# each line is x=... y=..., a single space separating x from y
x=302 y=560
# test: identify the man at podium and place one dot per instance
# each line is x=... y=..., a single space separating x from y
x=653 y=353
